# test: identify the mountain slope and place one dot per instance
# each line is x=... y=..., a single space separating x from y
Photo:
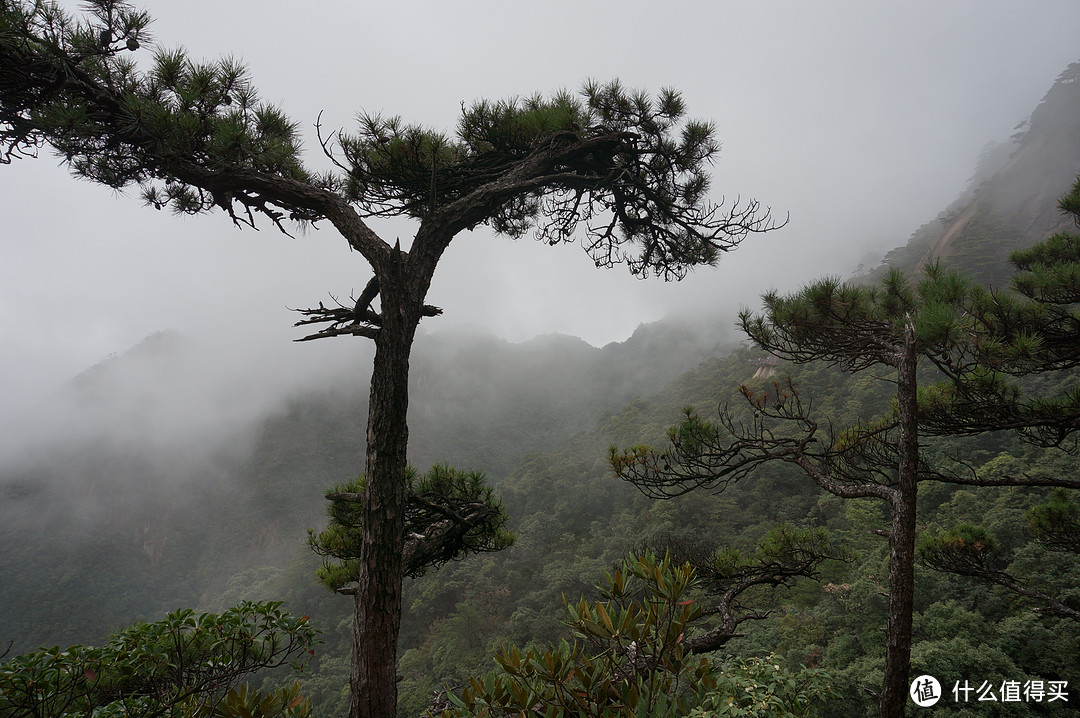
x=164 y=482
x=1012 y=201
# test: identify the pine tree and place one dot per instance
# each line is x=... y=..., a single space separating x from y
x=979 y=345
x=450 y=514
x=623 y=172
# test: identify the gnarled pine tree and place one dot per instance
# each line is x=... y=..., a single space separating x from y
x=979 y=345
x=624 y=172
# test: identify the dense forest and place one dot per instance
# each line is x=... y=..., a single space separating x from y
x=99 y=532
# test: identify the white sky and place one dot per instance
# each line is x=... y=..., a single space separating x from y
x=860 y=119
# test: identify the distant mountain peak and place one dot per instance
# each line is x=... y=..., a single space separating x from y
x=1012 y=201
x=154 y=346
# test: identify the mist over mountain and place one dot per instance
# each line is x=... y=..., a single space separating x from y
x=1012 y=200
x=170 y=476
x=176 y=473
x=507 y=399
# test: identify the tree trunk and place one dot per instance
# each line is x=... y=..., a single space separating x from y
x=894 y=692
x=373 y=684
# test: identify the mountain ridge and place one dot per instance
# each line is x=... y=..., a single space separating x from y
x=1011 y=202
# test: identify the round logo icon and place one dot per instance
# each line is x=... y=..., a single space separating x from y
x=925 y=691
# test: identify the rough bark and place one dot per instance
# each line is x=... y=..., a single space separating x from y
x=633 y=184
x=377 y=617
x=898 y=632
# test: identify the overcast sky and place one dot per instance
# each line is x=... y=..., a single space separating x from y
x=860 y=119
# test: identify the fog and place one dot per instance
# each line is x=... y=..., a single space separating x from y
x=859 y=121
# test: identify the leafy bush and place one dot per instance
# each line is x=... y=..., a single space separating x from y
x=181 y=665
x=628 y=658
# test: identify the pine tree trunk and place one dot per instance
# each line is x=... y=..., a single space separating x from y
x=898 y=629
x=373 y=686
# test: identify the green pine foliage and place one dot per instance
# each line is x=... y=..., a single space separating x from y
x=573 y=521
x=450 y=514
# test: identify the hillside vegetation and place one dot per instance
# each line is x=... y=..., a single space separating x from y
x=97 y=535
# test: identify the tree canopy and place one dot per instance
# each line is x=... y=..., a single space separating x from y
x=184 y=662
x=628 y=168
x=632 y=655
x=624 y=171
x=980 y=344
